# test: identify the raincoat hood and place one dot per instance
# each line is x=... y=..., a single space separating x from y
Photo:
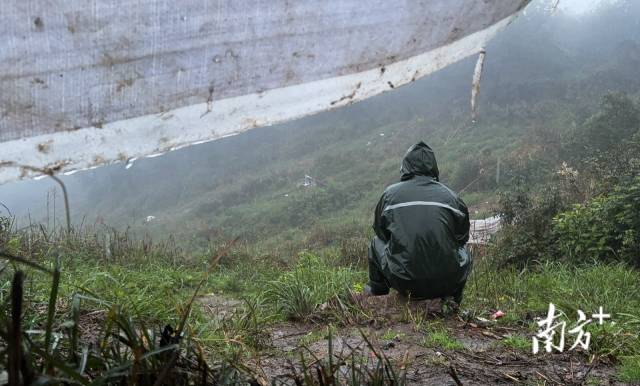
x=419 y=161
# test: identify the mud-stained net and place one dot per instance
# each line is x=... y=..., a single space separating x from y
x=87 y=82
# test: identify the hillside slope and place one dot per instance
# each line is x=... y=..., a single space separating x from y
x=544 y=75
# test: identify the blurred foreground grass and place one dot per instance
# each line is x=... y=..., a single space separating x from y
x=151 y=283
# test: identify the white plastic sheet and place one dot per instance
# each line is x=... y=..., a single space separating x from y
x=87 y=82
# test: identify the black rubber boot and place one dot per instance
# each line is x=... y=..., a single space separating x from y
x=375 y=290
x=457 y=296
x=448 y=306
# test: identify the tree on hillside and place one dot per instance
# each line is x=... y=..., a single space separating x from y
x=617 y=121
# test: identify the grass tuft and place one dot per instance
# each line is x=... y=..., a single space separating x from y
x=437 y=336
x=517 y=342
x=312 y=282
x=629 y=369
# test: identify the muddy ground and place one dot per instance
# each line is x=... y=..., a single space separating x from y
x=400 y=332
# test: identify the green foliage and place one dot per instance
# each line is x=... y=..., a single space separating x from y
x=521 y=292
x=605 y=228
x=245 y=327
x=437 y=336
x=128 y=351
x=629 y=369
x=316 y=336
x=607 y=146
x=524 y=294
x=617 y=339
x=517 y=342
x=617 y=120
x=312 y=282
x=527 y=216
x=556 y=216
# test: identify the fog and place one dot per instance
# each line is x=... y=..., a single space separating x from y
x=574 y=53
x=580 y=7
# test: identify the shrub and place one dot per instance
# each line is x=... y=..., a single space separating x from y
x=618 y=119
x=605 y=228
x=526 y=235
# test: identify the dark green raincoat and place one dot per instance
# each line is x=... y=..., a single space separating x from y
x=421 y=228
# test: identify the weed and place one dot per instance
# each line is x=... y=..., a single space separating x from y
x=617 y=339
x=312 y=282
x=613 y=287
x=246 y=326
x=392 y=335
x=314 y=336
x=416 y=317
x=629 y=369
x=317 y=335
x=437 y=336
x=437 y=359
x=517 y=342
x=128 y=352
x=357 y=367
x=522 y=295
x=593 y=381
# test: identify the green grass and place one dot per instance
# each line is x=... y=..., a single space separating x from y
x=629 y=369
x=517 y=342
x=613 y=287
x=526 y=294
x=133 y=346
x=138 y=295
x=153 y=286
x=437 y=336
x=392 y=335
x=317 y=335
x=154 y=290
x=310 y=283
x=248 y=185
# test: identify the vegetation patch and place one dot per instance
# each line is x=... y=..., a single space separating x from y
x=437 y=336
x=312 y=281
x=629 y=369
x=517 y=342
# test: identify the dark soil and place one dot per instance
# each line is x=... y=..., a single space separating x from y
x=400 y=336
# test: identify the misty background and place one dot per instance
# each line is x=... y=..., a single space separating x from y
x=303 y=181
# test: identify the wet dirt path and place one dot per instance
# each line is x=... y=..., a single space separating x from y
x=431 y=348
